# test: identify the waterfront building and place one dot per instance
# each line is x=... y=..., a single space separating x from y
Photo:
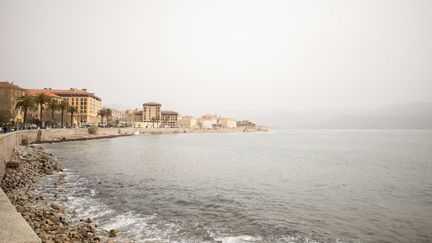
x=227 y=123
x=133 y=118
x=46 y=113
x=87 y=104
x=169 y=118
x=9 y=93
x=152 y=114
x=118 y=115
x=208 y=121
x=188 y=122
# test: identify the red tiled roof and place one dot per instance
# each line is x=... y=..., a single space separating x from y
x=169 y=113
x=152 y=104
x=35 y=92
x=66 y=92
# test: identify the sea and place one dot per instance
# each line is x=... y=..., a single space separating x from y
x=276 y=186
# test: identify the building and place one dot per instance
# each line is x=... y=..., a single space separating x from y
x=152 y=114
x=207 y=121
x=87 y=104
x=169 y=118
x=133 y=118
x=9 y=93
x=227 y=123
x=117 y=117
x=47 y=114
x=188 y=122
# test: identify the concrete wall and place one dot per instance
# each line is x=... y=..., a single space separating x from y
x=13 y=227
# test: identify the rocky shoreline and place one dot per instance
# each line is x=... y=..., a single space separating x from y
x=51 y=222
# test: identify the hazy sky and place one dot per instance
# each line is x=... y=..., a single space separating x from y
x=216 y=56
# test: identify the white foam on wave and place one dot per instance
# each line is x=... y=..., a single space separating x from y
x=84 y=202
x=132 y=226
x=238 y=239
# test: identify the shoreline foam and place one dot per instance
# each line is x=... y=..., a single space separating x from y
x=50 y=221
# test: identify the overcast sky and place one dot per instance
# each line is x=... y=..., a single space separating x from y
x=219 y=56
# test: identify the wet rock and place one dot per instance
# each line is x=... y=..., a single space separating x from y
x=112 y=233
x=47 y=219
x=12 y=164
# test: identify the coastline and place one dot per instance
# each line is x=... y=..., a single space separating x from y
x=52 y=222
x=23 y=166
x=9 y=141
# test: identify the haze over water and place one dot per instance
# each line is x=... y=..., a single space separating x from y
x=285 y=185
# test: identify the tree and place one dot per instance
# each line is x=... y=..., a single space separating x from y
x=165 y=120
x=25 y=103
x=42 y=99
x=108 y=114
x=153 y=120
x=63 y=106
x=53 y=105
x=102 y=114
x=72 y=110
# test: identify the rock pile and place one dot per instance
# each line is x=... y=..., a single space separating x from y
x=50 y=221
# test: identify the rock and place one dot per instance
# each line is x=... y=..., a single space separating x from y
x=12 y=164
x=24 y=141
x=112 y=233
x=57 y=207
x=88 y=220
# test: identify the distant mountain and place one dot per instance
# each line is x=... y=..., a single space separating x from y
x=396 y=116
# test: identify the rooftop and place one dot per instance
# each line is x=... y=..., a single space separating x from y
x=6 y=84
x=35 y=92
x=169 y=113
x=67 y=92
x=152 y=104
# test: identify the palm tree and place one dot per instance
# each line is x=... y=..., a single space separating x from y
x=108 y=114
x=63 y=106
x=72 y=110
x=53 y=105
x=25 y=103
x=102 y=113
x=41 y=99
x=153 y=120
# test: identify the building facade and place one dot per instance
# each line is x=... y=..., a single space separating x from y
x=9 y=93
x=169 y=118
x=207 y=121
x=188 y=122
x=86 y=103
x=227 y=123
x=152 y=114
x=47 y=114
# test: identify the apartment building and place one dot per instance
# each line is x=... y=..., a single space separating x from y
x=227 y=123
x=169 y=118
x=188 y=122
x=87 y=104
x=9 y=93
x=152 y=114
